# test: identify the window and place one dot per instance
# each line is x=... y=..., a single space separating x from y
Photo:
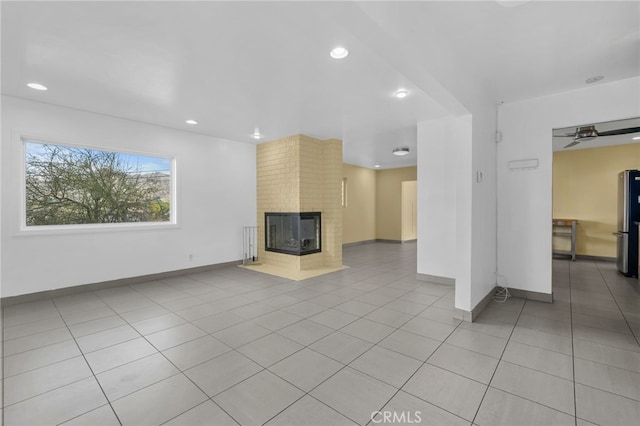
x=69 y=185
x=344 y=192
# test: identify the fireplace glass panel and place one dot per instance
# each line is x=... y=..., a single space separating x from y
x=293 y=233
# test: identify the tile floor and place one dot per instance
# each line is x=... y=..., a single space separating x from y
x=231 y=346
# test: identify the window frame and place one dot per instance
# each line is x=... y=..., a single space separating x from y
x=24 y=230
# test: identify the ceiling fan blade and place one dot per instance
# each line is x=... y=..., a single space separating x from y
x=620 y=131
x=571 y=144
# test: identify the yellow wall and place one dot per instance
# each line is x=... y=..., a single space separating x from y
x=585 y=188
x=389 y=201
x=359 y=216
x=409 y=210
x=301 y=174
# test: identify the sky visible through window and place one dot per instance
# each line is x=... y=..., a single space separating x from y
x=68 y=185
x=142 y=163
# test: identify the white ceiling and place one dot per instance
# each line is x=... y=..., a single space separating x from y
x=234 y=66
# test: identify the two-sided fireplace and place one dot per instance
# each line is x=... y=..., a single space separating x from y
x=293 y=233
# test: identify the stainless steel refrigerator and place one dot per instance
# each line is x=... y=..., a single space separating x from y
x=628 y=215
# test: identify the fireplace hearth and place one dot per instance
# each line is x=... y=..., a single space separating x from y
x=297 y=234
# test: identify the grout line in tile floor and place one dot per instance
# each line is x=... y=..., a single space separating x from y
x=252 y=289
x=573 y=353
x=499 y=361
x=264 y=368
x=84 y=357
x=617 y=304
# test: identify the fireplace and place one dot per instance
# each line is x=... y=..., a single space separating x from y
x=293 y=233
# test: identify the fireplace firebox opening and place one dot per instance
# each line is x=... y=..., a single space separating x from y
x=293 y=233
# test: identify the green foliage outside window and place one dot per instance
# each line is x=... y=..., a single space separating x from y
x=71 y=185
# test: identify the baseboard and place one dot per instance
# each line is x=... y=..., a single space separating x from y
x=378 y=240
x=531 y=295
x=358 y=243
x=595 y=258
x=67 y=291
x=436 y=279
x=470 y=316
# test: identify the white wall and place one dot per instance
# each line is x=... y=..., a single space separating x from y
x=483 y=207
x=524 y=196
x=437 y=197
x=456 y=207
x=216 y=187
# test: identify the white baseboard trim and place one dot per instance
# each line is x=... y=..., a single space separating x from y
x=67 y=291
x=436 y=279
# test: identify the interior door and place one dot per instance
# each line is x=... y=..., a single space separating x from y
x=409 y=210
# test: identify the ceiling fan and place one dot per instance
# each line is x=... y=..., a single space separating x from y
x=587 y=133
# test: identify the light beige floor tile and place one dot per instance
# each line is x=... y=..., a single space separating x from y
x=428 y=328
x=218 y=321
x=306 y=369
x=308 y=411
x=44 y=379
x=472 y=365
x=152 y=325
x=536 y=386
x=341 y=347
x=544 y=340
x=195 y=352
x=410 y=344
x=103 y=339
x=408 y=409
x=205 y=414
x=449 y=391
x=388 y=317
x=241 y=334
x=367 y=330
x=116 y=355
x=56 y=406
x=96 y=325
x=40 y=357
x=35 y=341
x=388 y=366
x=159 y=402
x=603 y=408
x=333 y=318
x=222 y=372
x=174 y=336
x=549 y=362
x=102 y=416
x=128 y=378
x=258 y=399
x=441 y=315
x=616 y=357
x=353 y=394
x=611 y=379
x=305 y=332
x=358 y=309
x=477 y=342
x=500 y=408
x=270 y=349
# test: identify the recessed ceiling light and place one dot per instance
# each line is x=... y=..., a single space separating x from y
x=402 y=93
x=593 y=79
x=256 y=134
x=637 y=138
x=191 y=122
x=339 y=53
x=377 y=166
x=37 y=86
x=401 y=151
